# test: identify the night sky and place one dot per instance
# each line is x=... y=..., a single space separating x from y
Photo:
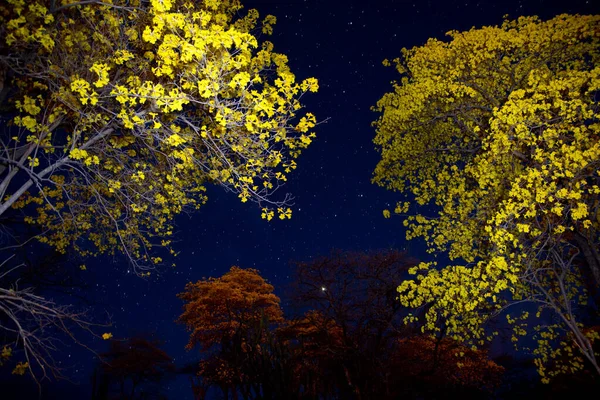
x=342 y=44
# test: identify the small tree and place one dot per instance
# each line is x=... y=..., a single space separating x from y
x=132 y=366
x=230 y=318
x=355 y=318
x=317 y=348
x=426 y=365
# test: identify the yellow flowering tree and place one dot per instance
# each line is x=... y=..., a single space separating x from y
x=495 y=135
x=125 y=110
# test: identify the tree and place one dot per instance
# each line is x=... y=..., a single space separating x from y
x=352 y=345
x=231 y=316
x=123 y=112
x=354 y=320
x=33 y=323
x=316 y=347
x=495 y=134
x=120 y=113
x=434 y=366
x=357 y=290
x=216 y=308
x=131 y=365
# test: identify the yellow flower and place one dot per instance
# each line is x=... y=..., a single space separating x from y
x=580 y=212
x=122 y=56
x=30 y=107
x=102 y=70
x=21 y=368
x=78 y=154
x=80 y=86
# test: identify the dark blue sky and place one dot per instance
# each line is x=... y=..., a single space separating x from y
x=342 y=43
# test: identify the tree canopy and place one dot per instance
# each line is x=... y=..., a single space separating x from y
x=494 y=138
x=216 y=309
x=123 y=112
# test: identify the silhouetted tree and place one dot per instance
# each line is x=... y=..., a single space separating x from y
x=437 y=366
x=355 y=321
x=131 y=369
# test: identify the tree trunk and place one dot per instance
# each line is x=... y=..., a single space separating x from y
x=351 y=384
x=133 y=390
x=3 y=85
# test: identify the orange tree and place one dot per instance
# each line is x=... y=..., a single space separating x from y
x=230 y=318
x=496 y=133
x=216 y=309
x=122 y=112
